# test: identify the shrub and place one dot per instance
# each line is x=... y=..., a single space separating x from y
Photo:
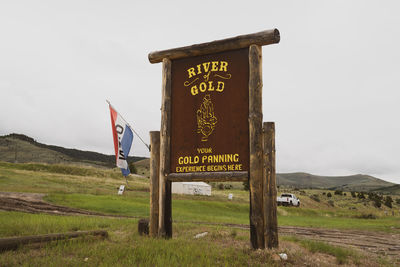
x=338 y=192
x=221 y=186
x=361 y=195
x=377 y=203
x=353 y=194
x=366 y=216
x=315 y=198
x=132 y=168
x=398 y=201
x=329 y=194
x=388 y=202
x=344 y=194
x=323 y=193
x=331 y=203
x=228 y=186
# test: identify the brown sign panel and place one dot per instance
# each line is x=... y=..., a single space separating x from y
x=209 y=116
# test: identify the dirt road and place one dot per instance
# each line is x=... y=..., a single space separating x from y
x=376 y=242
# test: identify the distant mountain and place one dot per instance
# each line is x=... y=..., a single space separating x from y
x=358 y=182
x=22 y=148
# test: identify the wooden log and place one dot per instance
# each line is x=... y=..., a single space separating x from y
x=154 y=181
x=242 y=41
x=270 y=212
x=165 y=137
x=255 y=139
x=15 y=242
x=143 y=227
x=239 y=176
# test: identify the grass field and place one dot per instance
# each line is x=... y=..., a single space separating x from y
x=95 y=190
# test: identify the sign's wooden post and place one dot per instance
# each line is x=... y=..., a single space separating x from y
x=154 y=181
x=255 y=141
x=168 y=209
x=211 y=120
x=270 y=217
x=165 y=137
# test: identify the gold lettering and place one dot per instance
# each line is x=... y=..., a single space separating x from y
x=210 y=86
x=191 y=72
x=203 y=87
x=206 y=66
x=220 y=86
x=238 y=167
x=215 y=159
x=180 y=160
x=223 y=66
x=214 y=66
x=194 y=90
x=198 y=69
x=236 y=157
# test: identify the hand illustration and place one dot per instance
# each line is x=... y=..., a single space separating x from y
x=206 y=119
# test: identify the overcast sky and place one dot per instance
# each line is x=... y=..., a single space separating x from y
x=331 y=85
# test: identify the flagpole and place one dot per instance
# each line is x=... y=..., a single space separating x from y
x=108 y=102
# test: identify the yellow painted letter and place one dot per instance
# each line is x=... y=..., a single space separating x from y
x=223 y=66
x=214 y=66
x=191 y=72
x=220 y=87
x=194 y=90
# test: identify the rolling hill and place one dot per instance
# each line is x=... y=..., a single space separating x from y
x=358 y=182
x=21 y=148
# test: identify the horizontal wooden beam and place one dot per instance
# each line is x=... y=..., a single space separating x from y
x=208 y=176
x=242 y=41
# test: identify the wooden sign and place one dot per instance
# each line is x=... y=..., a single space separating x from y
x=211 y=128
x=209 y=113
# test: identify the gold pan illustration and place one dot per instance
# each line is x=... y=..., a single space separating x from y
x=206 y=119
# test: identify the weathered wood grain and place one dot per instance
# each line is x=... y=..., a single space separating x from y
x=165 y=139
x=270 y=212
x=154 y=181
x=242 y=41
x=256 y=142
x=209 y=176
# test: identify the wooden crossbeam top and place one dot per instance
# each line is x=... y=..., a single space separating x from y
x=242 y=41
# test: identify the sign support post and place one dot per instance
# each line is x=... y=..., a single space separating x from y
x=255 y=142
x=270 y=216
x=154 y=182
x=165 y=220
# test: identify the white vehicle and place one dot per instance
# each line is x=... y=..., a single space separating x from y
x=288 y=200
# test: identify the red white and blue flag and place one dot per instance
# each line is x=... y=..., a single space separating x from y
x=123 y=137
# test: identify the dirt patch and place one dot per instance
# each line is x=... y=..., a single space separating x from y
x=33 y=203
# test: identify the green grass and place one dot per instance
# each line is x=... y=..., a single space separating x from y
x=342 y=254
x=124 y=247
x=61 y=169
x=98 y=193
x=20 y=224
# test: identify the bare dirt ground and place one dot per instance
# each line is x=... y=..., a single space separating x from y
x=33 y=203
x=379 y=243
